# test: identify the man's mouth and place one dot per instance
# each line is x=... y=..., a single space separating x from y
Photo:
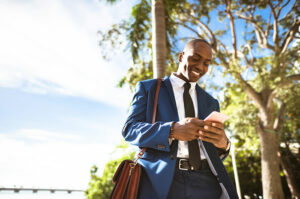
x=195 y=73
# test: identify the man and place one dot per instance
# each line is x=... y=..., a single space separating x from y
x=184 y=153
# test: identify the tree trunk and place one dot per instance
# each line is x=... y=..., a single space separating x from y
x=272 y=187
x=158 y=38
x=289 y=174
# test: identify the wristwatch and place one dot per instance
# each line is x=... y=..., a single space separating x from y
x=171 y=134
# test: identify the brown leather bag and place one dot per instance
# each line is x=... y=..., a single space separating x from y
x=128 y=174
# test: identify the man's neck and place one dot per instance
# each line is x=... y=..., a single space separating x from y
x=181 y=76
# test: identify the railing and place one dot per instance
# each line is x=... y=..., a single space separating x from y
x=35 y=190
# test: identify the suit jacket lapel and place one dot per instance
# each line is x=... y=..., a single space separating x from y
x=169 y=88
x=201 y=105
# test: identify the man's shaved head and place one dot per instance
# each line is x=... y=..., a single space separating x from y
x=192 y=43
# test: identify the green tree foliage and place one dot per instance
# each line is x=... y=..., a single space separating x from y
x=247 y=141
x=242 y=131
x=290 y=137
x=100 y=187
x=255 y=48
x=249 y=171
x=137 y=31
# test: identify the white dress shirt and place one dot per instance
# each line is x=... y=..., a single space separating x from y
x=178 y=90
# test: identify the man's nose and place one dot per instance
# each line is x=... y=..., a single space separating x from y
x=200 y=66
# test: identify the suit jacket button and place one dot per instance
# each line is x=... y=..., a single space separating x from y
x=160 y=146
x=172 y=157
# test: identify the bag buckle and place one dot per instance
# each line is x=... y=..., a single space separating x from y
x=131 y=165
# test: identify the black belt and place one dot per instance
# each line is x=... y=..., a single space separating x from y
x=183 y=164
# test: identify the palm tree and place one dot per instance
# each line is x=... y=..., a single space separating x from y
x=158 y=38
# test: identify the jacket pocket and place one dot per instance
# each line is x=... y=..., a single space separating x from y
x=148 y=155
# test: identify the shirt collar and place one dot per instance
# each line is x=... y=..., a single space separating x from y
x=177 y=82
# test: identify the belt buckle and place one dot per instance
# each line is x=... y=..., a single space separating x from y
x=179 y=166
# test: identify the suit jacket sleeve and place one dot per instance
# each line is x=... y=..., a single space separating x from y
x=137 y=131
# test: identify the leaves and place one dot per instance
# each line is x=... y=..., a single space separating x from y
x=261 y=63
x=100 y=187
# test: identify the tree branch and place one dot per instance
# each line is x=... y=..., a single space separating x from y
x=201 y=29
x=268 y=26
x=290 y=35
x=213 y=37
x=289 y=80
x=191 y=29
x=184 y=38
x=217 y=49
x=279 y=118
x=232 y=27
x=251 y=92
x=251 y=61
x=261 y=37
x=283 y=6
x=275 y=26
x=245 y=58
x=224 y=47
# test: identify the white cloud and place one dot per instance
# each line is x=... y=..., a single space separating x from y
x=42 y=135
x=33 y=158
x=52 y=47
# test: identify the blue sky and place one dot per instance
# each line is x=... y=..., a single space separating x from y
x=60 y=109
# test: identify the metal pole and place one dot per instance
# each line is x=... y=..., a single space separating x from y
x=236 y=176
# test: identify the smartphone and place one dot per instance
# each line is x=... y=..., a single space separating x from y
x=216 y=117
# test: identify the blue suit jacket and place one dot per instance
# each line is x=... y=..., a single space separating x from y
x=159 y=160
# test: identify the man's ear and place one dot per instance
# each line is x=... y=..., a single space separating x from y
x=180 y=56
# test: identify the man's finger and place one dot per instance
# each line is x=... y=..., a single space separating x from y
x=207 y=139
x=197 y=122
x=200 y=129
x=213 y=129
x=209 y=135
x=218 y=125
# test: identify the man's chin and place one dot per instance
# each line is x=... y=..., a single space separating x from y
x=193 y=78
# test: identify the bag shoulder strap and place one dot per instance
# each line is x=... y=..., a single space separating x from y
x=156 y=99
x=159 y=80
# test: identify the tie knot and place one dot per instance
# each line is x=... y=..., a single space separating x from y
x=187 y=86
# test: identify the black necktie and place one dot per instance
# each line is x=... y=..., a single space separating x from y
x=194 y=151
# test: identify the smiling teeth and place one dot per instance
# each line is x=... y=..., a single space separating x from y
x=195 y=73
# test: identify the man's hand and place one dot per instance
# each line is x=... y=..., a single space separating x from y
x=188 y=129
x=214 y=133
